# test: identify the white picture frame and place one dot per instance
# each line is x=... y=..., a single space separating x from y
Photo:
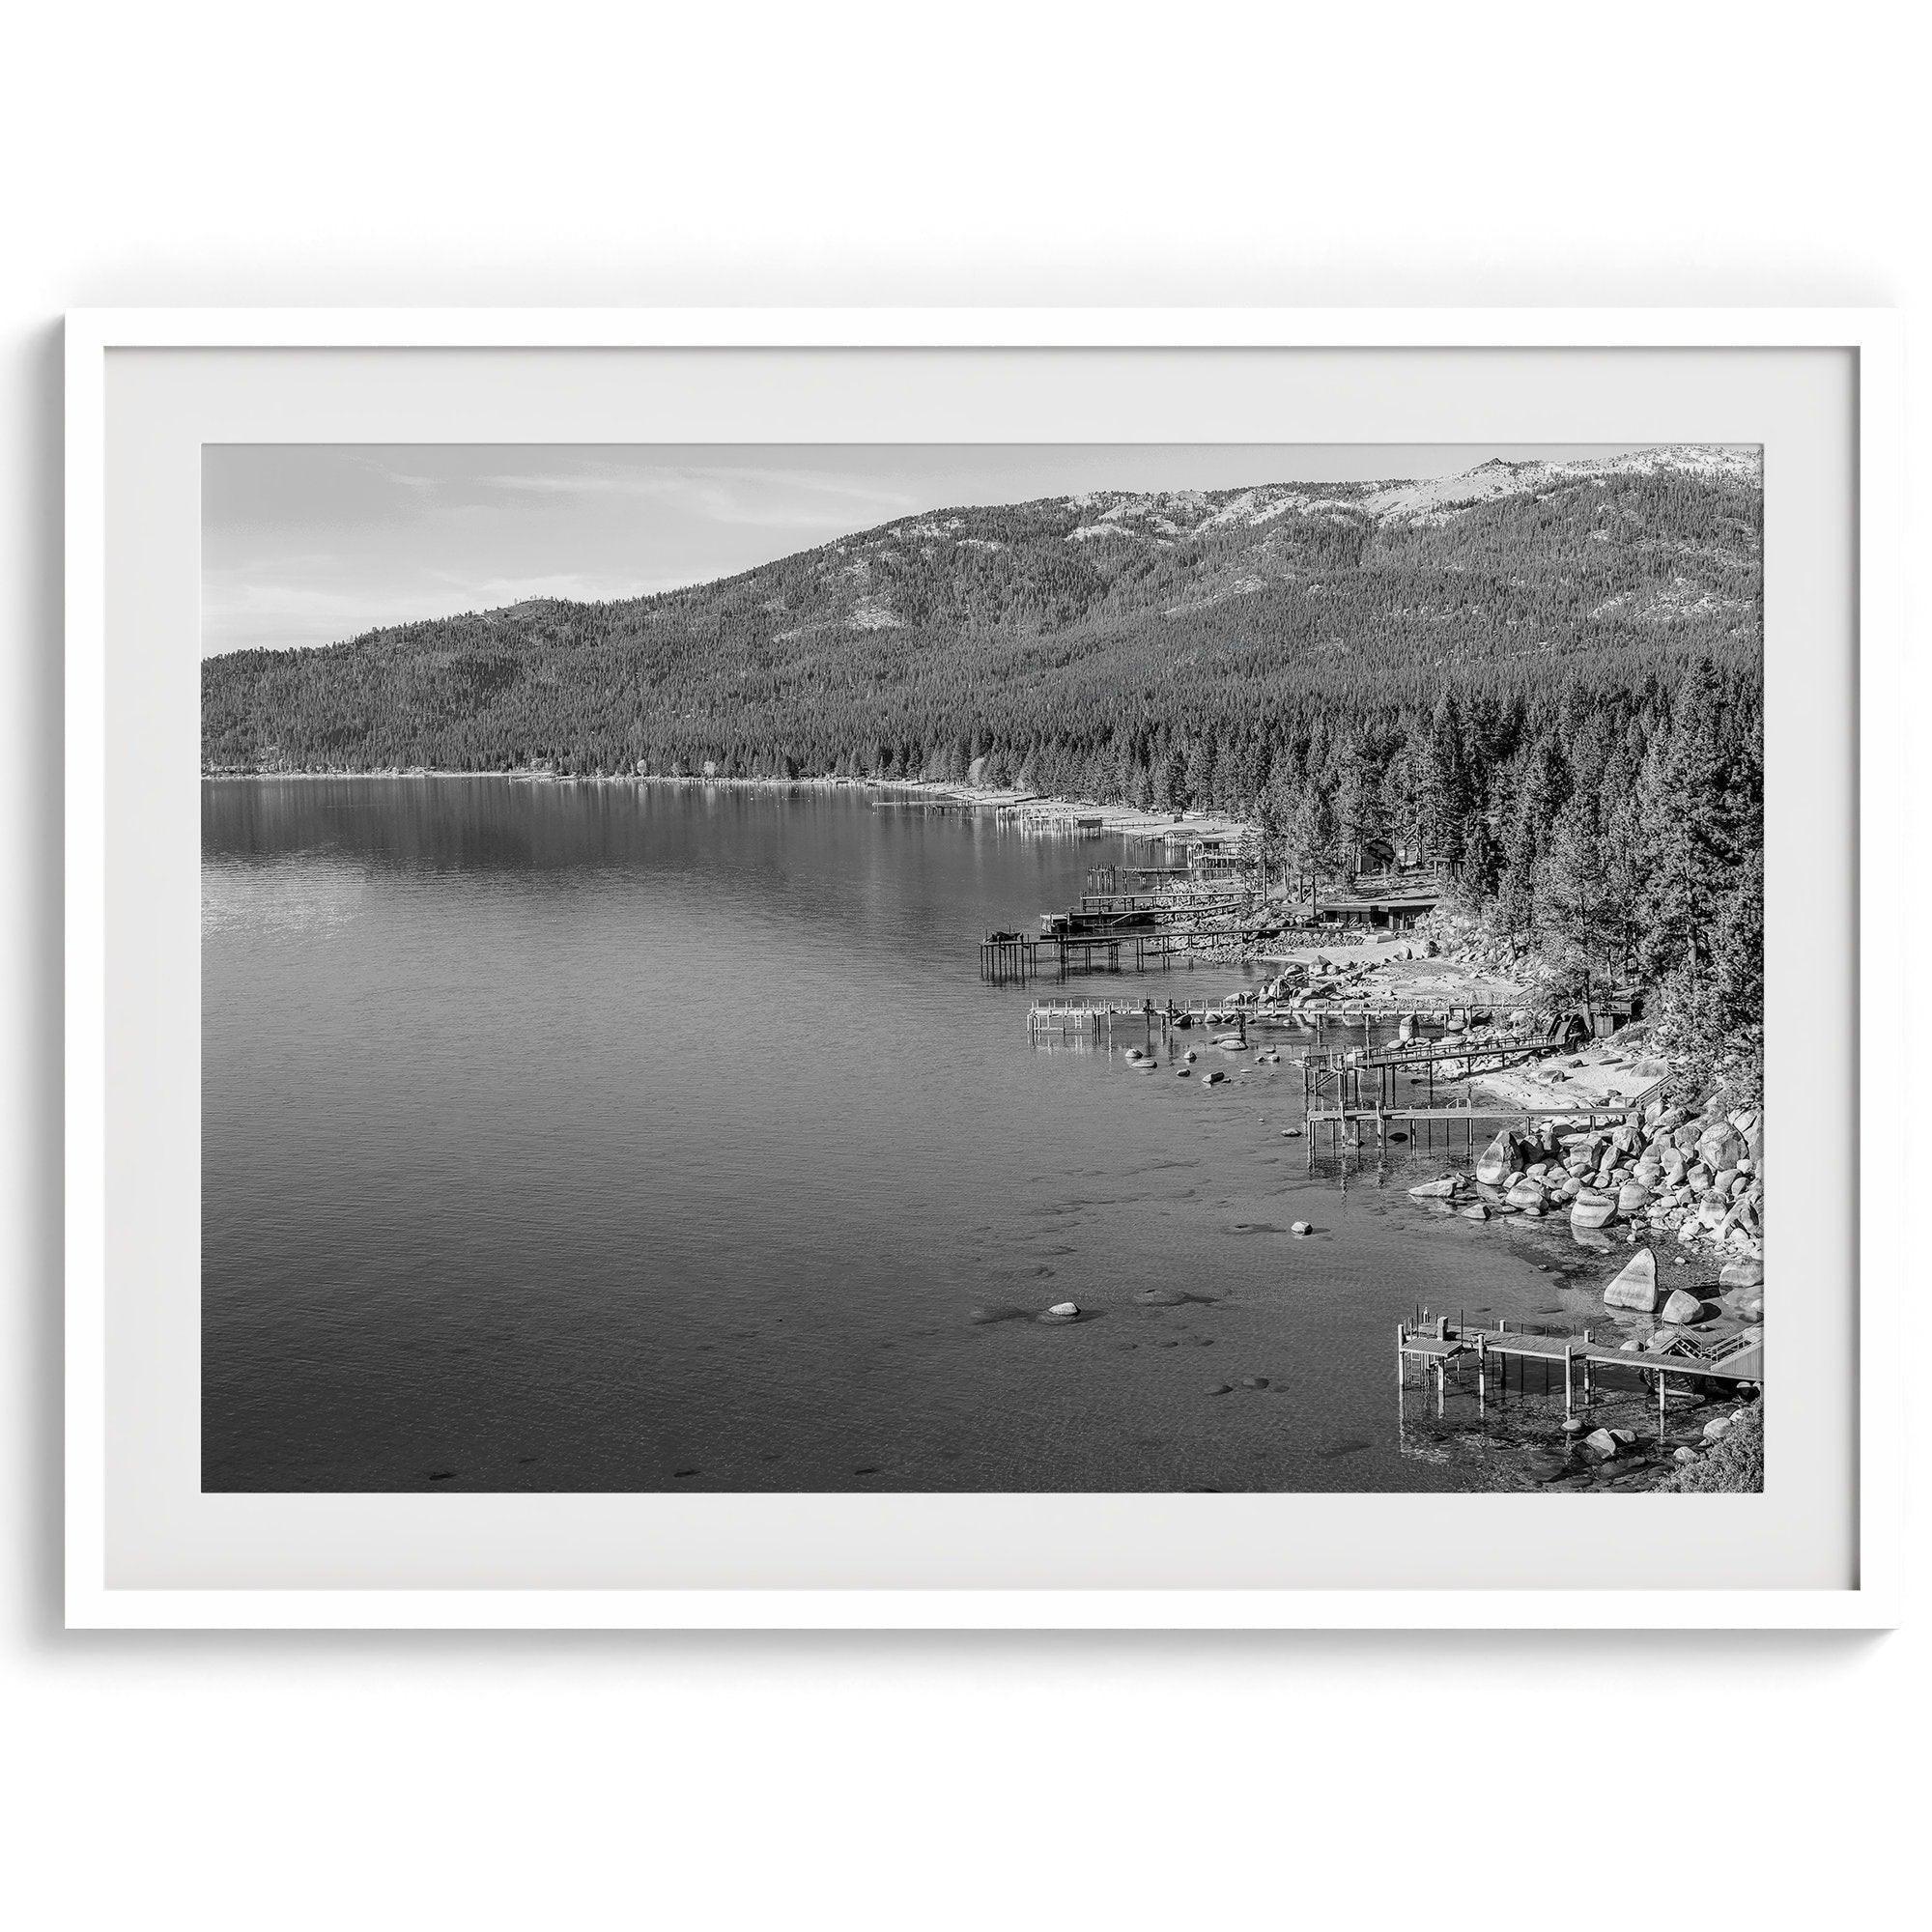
x=1871 y=1597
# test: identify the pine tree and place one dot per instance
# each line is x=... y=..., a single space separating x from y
x=1360 y=814
x=1197 y=783
x=1315 y=840
x=1445 y=788
x=1579 y=920
x=1736 y=1015
x=1694 y=786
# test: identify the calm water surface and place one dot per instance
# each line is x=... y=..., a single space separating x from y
x=600 y=1137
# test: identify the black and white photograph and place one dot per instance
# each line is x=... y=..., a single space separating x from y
x=984 y=968
x=928 y=927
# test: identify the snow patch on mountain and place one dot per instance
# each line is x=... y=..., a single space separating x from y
x=1435 y=499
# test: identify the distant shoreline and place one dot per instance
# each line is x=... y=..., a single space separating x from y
x=1034 y=807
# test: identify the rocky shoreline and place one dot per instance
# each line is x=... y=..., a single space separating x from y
x=1683 y=1183
x=1679 y=1183
x=1690 y=1173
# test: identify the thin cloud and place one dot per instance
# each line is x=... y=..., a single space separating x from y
x=729 y=493
x=241 y=607
x=405 y=478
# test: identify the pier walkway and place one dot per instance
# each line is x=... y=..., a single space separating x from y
x=1071 y=1014
x=1340 y=1082
x=1444 y=1344
x=1018 y=956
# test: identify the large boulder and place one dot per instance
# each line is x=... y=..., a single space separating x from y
x=1733 y=1223
x=1636 y=1288
x=1683 y=1306
x=1601 y=1443
x=1498 y=1160
x=1633 y=1198
x=1526 y=1195
x=1592 y=1210
x=1741 y=1274
x=1436 y=1190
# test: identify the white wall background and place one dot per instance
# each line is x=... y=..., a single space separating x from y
x=841 y=153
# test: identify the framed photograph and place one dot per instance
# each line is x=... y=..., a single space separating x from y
x=983 y=969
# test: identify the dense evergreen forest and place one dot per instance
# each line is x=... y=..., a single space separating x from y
x=1547 y=673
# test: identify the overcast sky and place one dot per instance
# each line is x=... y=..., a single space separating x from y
x=306 y=542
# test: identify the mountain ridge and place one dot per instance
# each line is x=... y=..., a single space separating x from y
x=1094 y=612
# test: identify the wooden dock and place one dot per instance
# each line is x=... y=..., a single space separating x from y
x=1353 y=1120
x=1072 y=1015
x=1019 y=955
x=1444 y=1344
x=1098 y=1016
x=1340 y=1083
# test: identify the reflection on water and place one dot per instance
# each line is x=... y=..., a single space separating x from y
x=619 y=1138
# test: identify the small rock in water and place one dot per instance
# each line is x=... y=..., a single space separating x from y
x=1218 y=1388
x=1301 y=1227
x=1573 y=1427
x=1684 y=1455
x=1601 y=1442
x=1291 y=1134
x=1254 y=1382
x=1184 y=1071
x=1063 y=1311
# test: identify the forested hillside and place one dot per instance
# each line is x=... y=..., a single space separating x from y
x=1548 y=672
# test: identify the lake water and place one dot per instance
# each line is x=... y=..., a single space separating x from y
x=611 y=1137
